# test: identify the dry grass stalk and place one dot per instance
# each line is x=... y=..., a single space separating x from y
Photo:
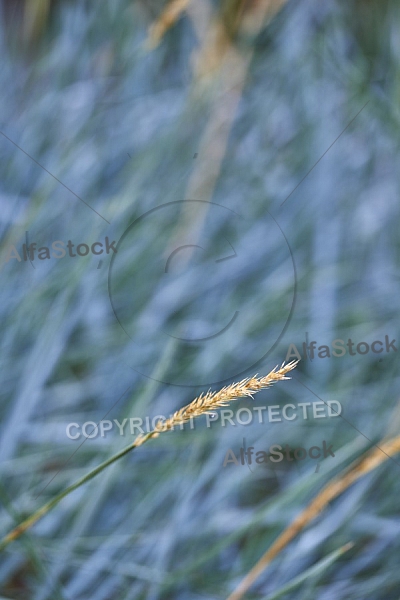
x=236 y=18
x=199 y=406
x=168 y=17
x=339 y=484
x=220 y=66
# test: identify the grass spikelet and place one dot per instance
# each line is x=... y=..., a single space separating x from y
x=205 y=403
x=211 y=401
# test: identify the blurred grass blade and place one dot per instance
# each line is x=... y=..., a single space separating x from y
x=313 y=571
x=371 y=460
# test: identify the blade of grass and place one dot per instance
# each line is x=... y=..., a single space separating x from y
x=334 y=488
x=31 y=549
x=260 y=516
x=27 y=524
x=313 y=571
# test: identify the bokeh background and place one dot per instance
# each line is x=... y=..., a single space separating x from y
x=270 y=133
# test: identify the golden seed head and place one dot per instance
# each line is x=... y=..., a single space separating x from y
x=210 y=401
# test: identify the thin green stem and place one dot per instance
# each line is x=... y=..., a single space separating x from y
x=22 y=527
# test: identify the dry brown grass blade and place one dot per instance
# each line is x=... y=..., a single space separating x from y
x=339 y=484
x=219 y=50
x=168 y=17
x=36 y=14
x=217 y=59
x=222 y=65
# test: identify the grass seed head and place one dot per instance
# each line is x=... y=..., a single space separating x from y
x=210 y=401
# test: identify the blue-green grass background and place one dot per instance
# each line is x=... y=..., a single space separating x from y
x=121 y=128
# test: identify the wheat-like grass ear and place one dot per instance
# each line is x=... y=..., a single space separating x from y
x=199 y=406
